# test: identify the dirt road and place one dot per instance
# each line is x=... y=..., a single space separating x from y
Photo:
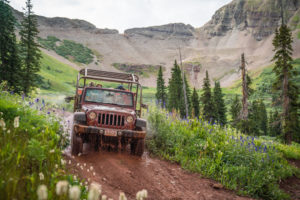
x=118 y=172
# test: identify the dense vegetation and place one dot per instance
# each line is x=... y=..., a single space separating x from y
x=69 y=49
x=138 y=69
x=250 y=165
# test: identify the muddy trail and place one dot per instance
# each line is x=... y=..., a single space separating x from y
x=122 y=172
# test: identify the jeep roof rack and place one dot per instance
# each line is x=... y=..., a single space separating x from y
x=108 y=76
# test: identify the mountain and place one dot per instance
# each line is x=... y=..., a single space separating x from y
x=240 y=26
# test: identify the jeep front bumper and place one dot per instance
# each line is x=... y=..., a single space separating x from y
x=83 y=129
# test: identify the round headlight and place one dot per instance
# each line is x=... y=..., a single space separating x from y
x=129 y=119
x=92 y=115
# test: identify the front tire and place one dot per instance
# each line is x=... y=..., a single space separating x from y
x=76 y=144
x=137 y=147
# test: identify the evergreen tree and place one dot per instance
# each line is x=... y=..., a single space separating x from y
x=263 y=118
x=29 y=49
x=207 y=100
x=235 y=111
x=284 y=72
x=160 y=88
x=9 y=59
x=188 y=96
x=249 y=83
x=175 y=91
x=195 y=103
x=274 y=124
x=219 y=105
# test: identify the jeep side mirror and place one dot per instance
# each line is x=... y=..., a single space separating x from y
x=69 y=99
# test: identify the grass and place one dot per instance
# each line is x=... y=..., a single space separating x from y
x=69 y=49
x=249 y=165
x=30 y=153
x=141 y=70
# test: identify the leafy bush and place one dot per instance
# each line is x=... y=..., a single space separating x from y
x=252 y=166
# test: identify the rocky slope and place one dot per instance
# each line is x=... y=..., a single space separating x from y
x=241 y=26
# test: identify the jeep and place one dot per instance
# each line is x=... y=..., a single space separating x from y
x=108 y=118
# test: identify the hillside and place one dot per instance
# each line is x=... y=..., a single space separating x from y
x=241 y=26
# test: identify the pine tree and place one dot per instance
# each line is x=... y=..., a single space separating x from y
x=263 y=118
x=195 y=103
x=283 y=70
x=235 y=111
x=274 y=124
x=160 y=88
x=29 y=49
x=219 y=105
x=9 y=59
x=175 y=91
x=188 y=96
x=207 y=100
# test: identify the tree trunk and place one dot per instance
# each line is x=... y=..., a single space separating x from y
x=244 y=89
x=285 y=108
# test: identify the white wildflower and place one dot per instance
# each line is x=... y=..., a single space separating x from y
x=94 y=192
x=94 y=173
x=52 y=151
x=81 y=167
x=56 y=166
x=16 y=122
x=84 y=164
x=74 y=193
x=77 y=164
x=42 y=192
x=63 y=162
x=79 y=154
x=8 y=131
x=88 y=170
x=62 y=187
x=91 y=168
x=122 y=196
x=86 y=183
x=89 y=179
x=73 y=157
x=75 y=178
x=142 y=195
x=42 y=177
x=104 y=197
x=2 y=123
x=70 y=162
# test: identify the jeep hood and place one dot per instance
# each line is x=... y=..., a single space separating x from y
x=86 y=108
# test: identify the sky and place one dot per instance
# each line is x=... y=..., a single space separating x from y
x=125 y=14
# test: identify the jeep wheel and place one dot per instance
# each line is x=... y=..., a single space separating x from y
x=137 y=147
x=76 y=144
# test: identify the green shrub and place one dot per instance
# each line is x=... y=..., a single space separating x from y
x=252 y=166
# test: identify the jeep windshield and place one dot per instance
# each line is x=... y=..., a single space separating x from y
x=108 y=97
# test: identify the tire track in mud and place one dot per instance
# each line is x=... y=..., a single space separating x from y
x=122 y=172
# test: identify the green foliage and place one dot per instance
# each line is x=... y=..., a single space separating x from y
x=139 y=69
x=69 y=49
x=160 y=88
x=219 y=105
x=10 y=66
x=195 y=104
x=285 y=74
x=27 y=150
x=252 y=166
x=208 y=110
x=188 y=96
x=29 y=49
x=235 y=110
x=175 y=91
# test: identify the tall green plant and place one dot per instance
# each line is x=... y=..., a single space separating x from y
x=219 y=105
x=9 y=58
x=160 y=88
x=175 y=91
x=235 y=110
x=29 y=49
x=207 y=100
x=195 y=103
x=283 y=69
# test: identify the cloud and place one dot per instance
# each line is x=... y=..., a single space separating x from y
x=124 y=14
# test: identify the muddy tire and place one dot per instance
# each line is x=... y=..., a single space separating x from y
x=76 y=144
x=137 y=147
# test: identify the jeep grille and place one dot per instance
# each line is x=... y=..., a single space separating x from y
x=111 y=120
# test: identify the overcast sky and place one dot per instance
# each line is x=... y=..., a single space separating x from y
x=124 y=14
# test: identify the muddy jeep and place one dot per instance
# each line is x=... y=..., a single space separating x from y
x=108 y=118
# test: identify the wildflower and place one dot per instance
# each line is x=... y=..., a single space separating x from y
x=265 y=149
x=8 y=131
x=48 y=113
x=122 y=196
x=56 y=166
x=63 y=162
x=42 y=192
x=91 y=168
x=2 y=124
x=141 y=194
x=84 y=164
x=94 y=173
x=74 y=193
x=94 y=192
x=52 y=151
x=70 y=162
x=88 y=170
x=104 y=197
x=16 y=122
x=77 y=164
x=41 y=176
x=62 y=187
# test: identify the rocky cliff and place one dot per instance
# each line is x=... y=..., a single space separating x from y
x=241 y=26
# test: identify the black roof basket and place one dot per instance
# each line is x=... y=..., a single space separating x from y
x=109 y=76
